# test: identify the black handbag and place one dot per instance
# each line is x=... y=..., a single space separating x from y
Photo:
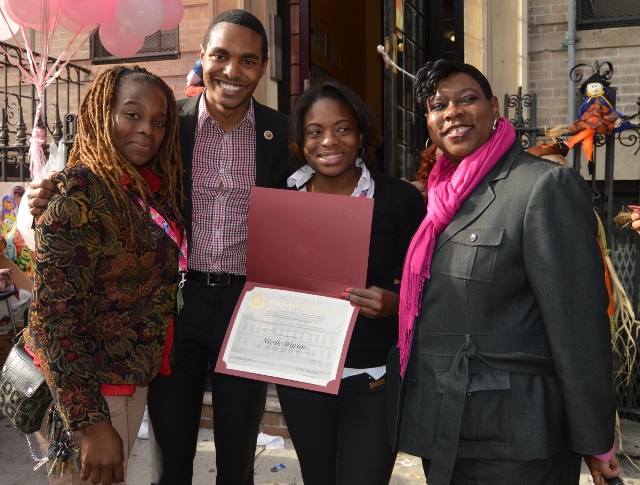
x=24 y=394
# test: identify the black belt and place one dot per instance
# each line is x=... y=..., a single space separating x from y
x=214 y=279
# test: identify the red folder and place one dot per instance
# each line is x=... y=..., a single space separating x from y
x=308 y=243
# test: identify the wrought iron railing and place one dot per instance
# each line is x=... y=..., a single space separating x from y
x=524 y=118
x=18 y=100
x=520 y=109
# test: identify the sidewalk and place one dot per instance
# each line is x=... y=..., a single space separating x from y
x=16 y=465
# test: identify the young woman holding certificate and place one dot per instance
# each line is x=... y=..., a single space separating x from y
x=343 y=439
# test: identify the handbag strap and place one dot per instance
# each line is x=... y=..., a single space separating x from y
x=19 y=338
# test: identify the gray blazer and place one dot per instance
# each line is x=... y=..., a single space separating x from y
x=511 y=355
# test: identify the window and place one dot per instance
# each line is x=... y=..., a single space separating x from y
x=599 y=14
x=164 y=44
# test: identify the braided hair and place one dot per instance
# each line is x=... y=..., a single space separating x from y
x=94 y=147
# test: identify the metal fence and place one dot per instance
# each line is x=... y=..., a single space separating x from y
x=19 y=100
x=624 y=244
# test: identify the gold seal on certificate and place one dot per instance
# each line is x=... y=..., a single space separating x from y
x=257 y=301
x=290 y=325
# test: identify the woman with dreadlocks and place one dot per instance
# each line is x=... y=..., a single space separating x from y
x=110 y=248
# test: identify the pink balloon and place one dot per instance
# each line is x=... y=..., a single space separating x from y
x=173 y=11
x=40 y=27
x=32 y=11
x=8 y=27
x=140 y=17
x=117 y=40
x=76 y=28
x=87 y=12
x=8 y=12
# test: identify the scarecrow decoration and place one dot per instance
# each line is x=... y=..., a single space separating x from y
x=596 y=114
x=553 y=147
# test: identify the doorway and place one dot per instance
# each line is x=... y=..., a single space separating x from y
x=338 y=39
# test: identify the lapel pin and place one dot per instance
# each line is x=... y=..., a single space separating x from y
x=268 y=135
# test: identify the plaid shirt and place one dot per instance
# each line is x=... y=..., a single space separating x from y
x=224 y=171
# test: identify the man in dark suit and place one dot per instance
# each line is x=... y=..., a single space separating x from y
x=229 y=144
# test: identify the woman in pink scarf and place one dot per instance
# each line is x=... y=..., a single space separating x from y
x=504 y=345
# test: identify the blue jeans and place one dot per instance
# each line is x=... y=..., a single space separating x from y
x=341 y=439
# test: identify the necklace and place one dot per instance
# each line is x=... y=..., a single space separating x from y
x=311 y=183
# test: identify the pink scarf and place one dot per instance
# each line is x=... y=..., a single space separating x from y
x=448 y=187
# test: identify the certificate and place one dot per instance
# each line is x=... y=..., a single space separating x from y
x=290 y=335
x=290 y=325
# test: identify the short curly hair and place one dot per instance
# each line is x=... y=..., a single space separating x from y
x=435 y=71
x=243 y=18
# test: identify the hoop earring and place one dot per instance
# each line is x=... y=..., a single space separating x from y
x=426 y=143
x=495 y=124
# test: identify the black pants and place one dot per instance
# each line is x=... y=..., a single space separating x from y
x=563 y=468
x=340 y=439
x=175 y=401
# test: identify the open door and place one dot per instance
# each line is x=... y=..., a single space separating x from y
x=415 y=31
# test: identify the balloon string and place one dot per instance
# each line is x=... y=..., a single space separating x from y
x=385 y=56
x=38 y=139
x=40 y=77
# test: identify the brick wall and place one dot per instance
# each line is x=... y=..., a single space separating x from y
x=548 y=71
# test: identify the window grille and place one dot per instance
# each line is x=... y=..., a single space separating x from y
x=598 y=14
x=164 y=44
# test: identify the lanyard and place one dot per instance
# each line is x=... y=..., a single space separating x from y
x=182 y=256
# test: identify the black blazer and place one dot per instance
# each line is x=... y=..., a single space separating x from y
x=271 y=153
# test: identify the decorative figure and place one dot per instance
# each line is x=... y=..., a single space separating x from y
x=10 y=250
x=596 y=115
x=8 y=224
x=24 y=261
x=552 y=146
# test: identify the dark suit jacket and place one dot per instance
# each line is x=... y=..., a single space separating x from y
x=517 y=291
x=271 y=154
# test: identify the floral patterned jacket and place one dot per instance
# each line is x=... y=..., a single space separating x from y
x=100 y=312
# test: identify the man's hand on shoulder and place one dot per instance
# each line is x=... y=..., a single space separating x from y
x=38 y=196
